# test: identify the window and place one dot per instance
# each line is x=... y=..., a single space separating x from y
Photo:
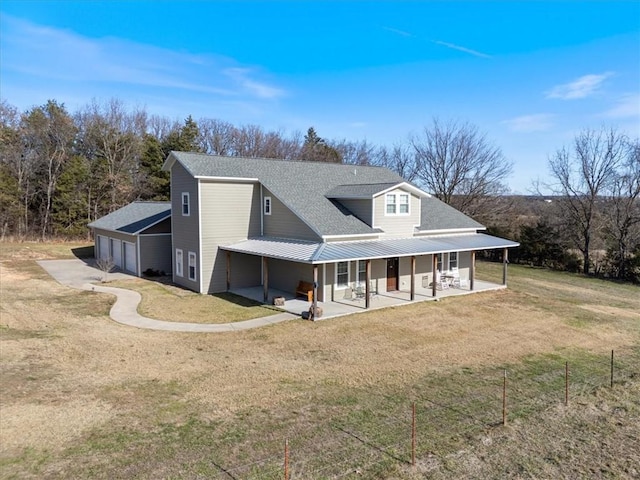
x=179 y=271
x=342 y=274
x=185 y=204
x=362 y=271
x=404 y=203
x=192 y=266
x=453 y=261
x=267 y=205
x=391 y=204
x=439 y=257
x=397 y=203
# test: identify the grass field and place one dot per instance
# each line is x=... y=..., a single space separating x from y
x=85 y=397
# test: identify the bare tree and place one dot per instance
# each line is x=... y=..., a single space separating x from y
x=106 y=265
x=457 y=163
x=622 y=215
x=582 y=174
x=399 y=158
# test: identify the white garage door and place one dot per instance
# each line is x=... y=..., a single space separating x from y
x=116 y=252
x=130 y=258
x=103 y=247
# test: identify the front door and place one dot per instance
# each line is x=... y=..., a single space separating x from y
x=392 y=274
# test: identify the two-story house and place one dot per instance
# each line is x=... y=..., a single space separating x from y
x=246 y=222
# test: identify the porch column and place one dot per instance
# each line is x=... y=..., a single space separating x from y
x=367 y=287
x=505 y=262
x=472 y=270
x=413 y=278
x=434 y=270
x=315 y=291
x=228 y=270
x=265 y=280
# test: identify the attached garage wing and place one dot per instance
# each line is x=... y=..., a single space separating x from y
x=130 y=258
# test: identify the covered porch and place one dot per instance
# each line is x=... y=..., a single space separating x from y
x=345 y=306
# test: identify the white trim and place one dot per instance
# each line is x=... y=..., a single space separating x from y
x=186 y=195
x=261 y=214
x=324 y=281
x=195 y=266
x=138 y=264
x=335 y=275
x=153 y=234
x=180 y=264
x=449 y=231
x=396 y=203
x=199 y=273
x=227 y=179
x=376 y=235
x=401 y=186
x=267 y=205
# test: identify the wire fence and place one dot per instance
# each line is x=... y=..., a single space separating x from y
x=436 y=417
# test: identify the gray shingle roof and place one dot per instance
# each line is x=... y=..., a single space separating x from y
x=134 y=218
x=437 y=215
x=303 y=188
x=367 y=190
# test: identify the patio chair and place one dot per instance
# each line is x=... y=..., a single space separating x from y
x=441 y=283
x=360 y=292
x=373 y=290
x=348 y=293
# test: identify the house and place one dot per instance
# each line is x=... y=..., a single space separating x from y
x=136 y=237
x=291 y=226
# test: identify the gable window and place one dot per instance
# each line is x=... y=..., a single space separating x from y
x=403 y=203
x=362 y=271
x=342 y=274
x=267 y=205
x=185 y=204
x=453 y=261
x=192 y=266
x=391 y=204
x=179 y=260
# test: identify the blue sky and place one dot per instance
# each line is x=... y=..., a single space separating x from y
x=528 y=74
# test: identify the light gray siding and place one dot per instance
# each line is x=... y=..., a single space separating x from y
x=185 y=229
x=155 y=253
x=245 y=269
x=361 y=208
x=285 y=275
x=399 y=225
x=230 y=213
x=283 y=223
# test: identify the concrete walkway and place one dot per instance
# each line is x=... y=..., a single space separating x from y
x=78 y=274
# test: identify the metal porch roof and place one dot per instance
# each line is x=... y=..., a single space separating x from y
x=330 y=252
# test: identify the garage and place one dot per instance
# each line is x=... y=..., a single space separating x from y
x=130 y=264
x=137 y=238
x=116 y=251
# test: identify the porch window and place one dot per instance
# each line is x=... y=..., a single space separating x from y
x=362 y=271
x=453 y=261
x=404 y=203
x=179 y=260
x=185 y=204
x=342 y=274
x=439 y=257
x=192 y=266
x=391 y=204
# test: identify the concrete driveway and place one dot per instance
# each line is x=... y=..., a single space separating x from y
x=78 y=274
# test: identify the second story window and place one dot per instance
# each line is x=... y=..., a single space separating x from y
x=397 y=203
x=267 y=205
x=391 y=204
x=185 y=204
x=403 y=203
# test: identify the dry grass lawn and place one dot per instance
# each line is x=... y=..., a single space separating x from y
x=85 y=397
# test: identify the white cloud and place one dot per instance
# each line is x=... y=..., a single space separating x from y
x=461 y=49
x=399 y=32
x=582 y=87
x=538 y=122
x=47 y=54
x=627 y=106
x=256 y=88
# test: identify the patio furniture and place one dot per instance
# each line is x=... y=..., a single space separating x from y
x=348 y=293
x=360 y=292
x=305 y=289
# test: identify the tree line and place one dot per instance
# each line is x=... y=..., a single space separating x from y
x=60 y=170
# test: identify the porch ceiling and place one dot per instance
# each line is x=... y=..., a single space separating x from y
x=330 y=252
